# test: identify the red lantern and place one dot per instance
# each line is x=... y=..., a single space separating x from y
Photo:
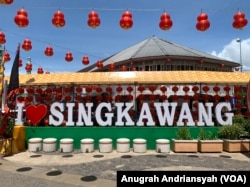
x=2 y=38
x=126 y=21
x=124 y=68
x=109 y=89
x=68 y=57
x=112 y=67
x=203 y=23
x=6 y=56
x=58 y=19
x=239 y=20
x=85 y=60
x=7 y=2
x=20 y=62
x=99 y=64
x=119 y=89
x=93 y=20
x=165 y=22
x=27 y=45
x=40 y=70
x=49 y=51
x=28 y=67
x=21 y=19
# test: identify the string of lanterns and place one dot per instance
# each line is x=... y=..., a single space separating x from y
x=126 y=22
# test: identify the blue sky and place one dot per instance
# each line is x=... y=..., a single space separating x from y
x=109 y=38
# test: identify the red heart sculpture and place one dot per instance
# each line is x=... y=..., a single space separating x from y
x=36 y=113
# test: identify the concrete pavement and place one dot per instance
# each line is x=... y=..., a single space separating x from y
x=99 y=169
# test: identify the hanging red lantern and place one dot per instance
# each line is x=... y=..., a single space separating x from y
x=203 y=23
x=175 y=88
x=126 y=21
x=141 y=88
x=85 y=60
x=124 y=68
x=58 y=20
x=21 y=19
x=49 y=51
x=28 y=67
x=68 y=57
x=20 y=62
x=6 y=56
x=93 y=20
x=163 y=89
x=112 y=67
x=7 y=2
x=99 y=64
x=27 y=45
x=239 y=21
x=109 y=89
x=40 y=70
x=119 y=89
x=2 y=38
x=216 y=88
x=130 y=89
x=165 y=22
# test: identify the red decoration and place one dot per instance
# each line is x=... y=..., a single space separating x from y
x=85 y=60
x=222 y=65
x=216 y=88
x=20 y=62
x=27 y=45
x=195 y=88
x=7 y=2
x=119 y=89
x=165 y=22
x=130 y=89
x=203 y=23
x=40 y=70
x=6 y=56
x=68 y=57
x=28 y=67
x=79 y=89
x=58 y=20
x=36 y=113
x=2 y=38
x=239 y=21
x=205 y=88
x=93 y=20
x=175 y=88
x=124 y=68
x=141 y=88
x=21 y=19
x=98 y=89
x=126 y=21
x=163 y=89
x=88 y=89
x=112 y=67
x=99 y=64
x=186 y=88
x=49 y=51
x=109 y=89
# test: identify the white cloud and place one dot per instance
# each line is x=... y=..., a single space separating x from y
x=232 y=50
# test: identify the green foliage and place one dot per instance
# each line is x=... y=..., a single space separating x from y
x=183 y=133
x=203 y=135
x=231 y=132
x=245 y=123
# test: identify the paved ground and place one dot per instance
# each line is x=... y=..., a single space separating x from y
x=99 y=169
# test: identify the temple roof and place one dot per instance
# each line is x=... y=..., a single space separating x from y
x=156 y=48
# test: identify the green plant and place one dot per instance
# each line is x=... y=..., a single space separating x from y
x=231 y=132
x=183 y=133
x=203 y=135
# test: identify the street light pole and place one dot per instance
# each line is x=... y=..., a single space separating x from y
x=239 y=41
